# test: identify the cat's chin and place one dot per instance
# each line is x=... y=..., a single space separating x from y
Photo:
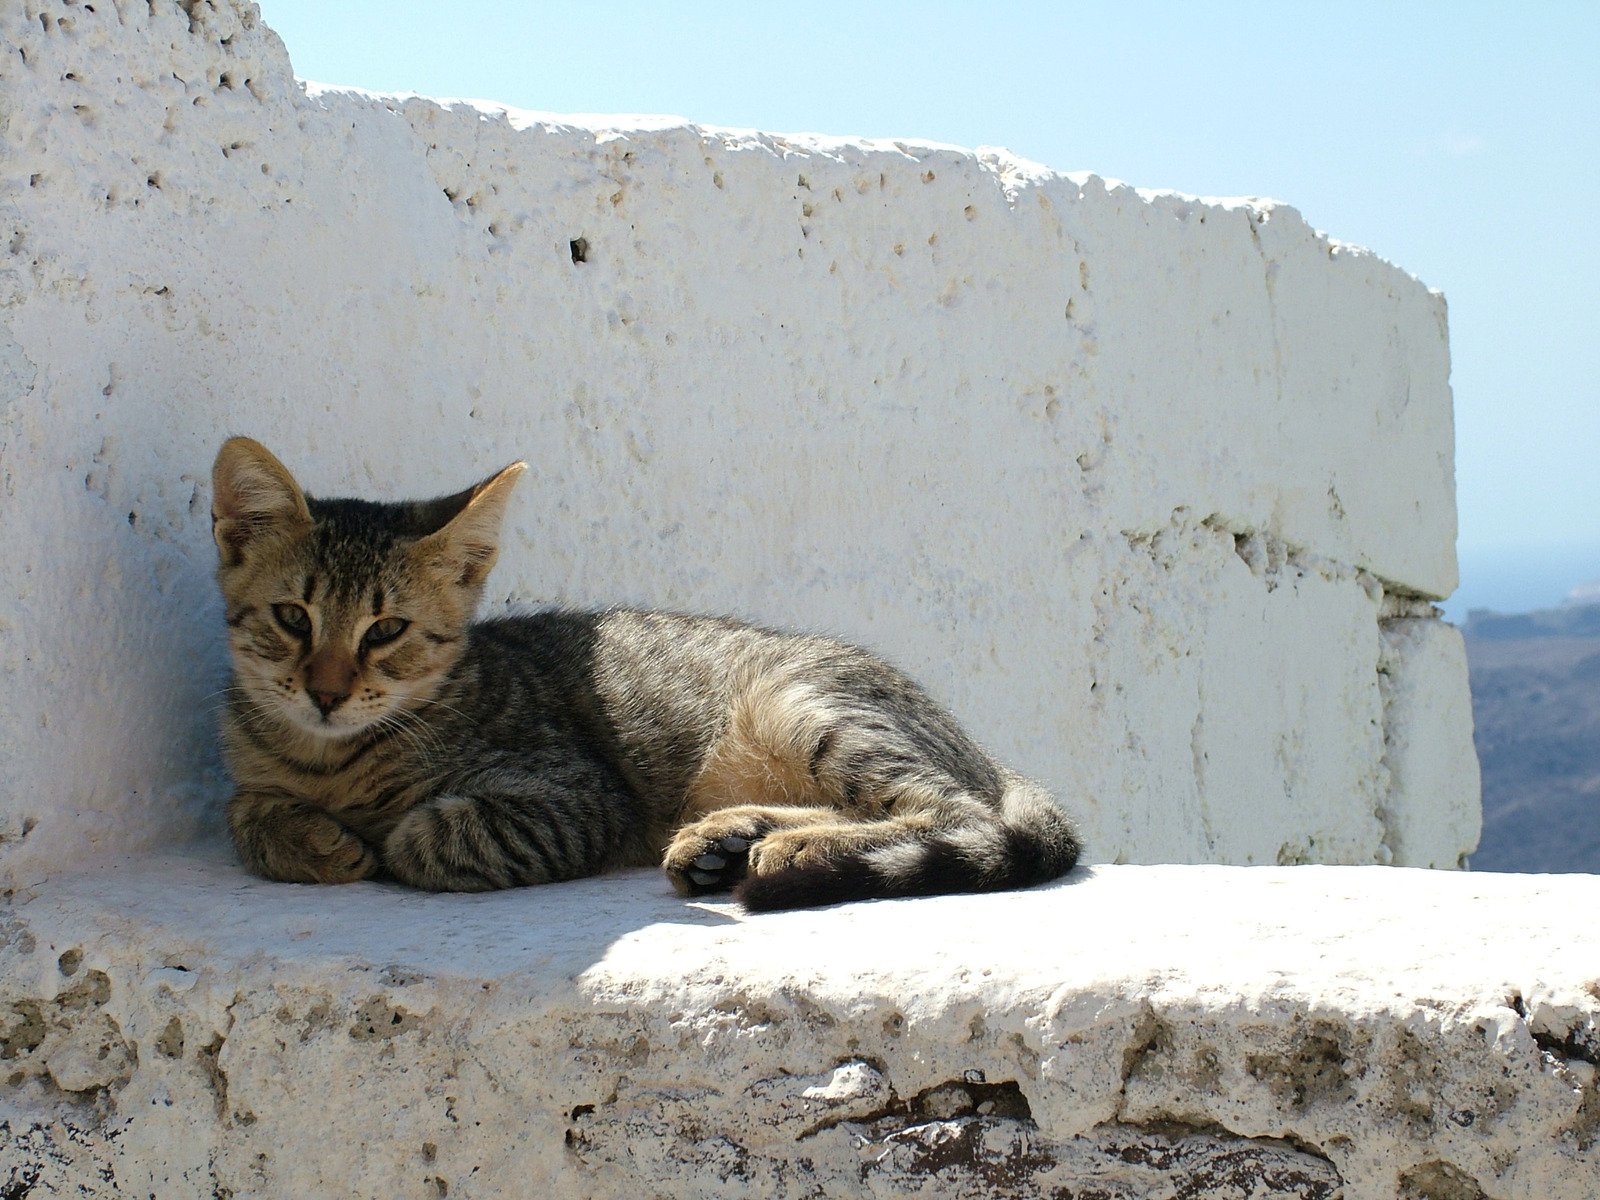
x=323 y=730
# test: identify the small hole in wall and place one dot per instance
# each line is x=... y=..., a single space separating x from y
x=133 y=520
x=580 y=249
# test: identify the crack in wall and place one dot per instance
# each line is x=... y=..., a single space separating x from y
x=1561 y=1044
x=1275 y=561
x=1157 y=1158
x=969 y=1096
x=968 y=1133
x=1574 y=1045
x=1255 y=218
x=209 y=1059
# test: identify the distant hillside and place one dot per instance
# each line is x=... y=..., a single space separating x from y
x=1536 y=706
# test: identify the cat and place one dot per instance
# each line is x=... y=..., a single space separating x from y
x=375 y=730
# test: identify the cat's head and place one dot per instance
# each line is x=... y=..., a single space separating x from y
x=342 y=613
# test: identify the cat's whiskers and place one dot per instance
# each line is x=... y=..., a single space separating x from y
x=406 y=726
x=250 y=705
x=403 y=717
x=434 y=701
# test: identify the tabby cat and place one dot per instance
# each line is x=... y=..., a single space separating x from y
x=375 y=730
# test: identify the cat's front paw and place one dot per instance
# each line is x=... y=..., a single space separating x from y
x=710 y=856
x=335 y=855
x=792 y=848
x=295 y=843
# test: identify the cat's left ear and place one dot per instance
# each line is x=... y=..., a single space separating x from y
x=469 y=542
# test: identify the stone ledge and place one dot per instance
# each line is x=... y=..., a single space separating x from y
x=175 y=1027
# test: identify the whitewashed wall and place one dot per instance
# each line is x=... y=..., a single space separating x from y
x=1135 y=482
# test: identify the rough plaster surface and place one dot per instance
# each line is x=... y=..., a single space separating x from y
x=174 y=1027
x=1137 y=483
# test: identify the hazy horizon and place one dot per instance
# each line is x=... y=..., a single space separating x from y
x=1517 y=579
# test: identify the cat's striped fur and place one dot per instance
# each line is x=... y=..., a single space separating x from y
x=375 y=730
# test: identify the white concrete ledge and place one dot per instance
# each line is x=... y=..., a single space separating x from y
x=177 y=1028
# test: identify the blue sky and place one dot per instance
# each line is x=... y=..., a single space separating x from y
x=1461 y=141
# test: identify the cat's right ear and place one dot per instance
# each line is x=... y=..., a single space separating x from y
x=252 y=494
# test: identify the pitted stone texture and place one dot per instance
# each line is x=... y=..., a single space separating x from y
x=1127 y=478
x=1134 y=1031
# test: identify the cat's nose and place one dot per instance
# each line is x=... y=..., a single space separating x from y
x=326 y=702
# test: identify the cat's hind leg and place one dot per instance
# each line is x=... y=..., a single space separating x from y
x=839 y=779
x=945 y=848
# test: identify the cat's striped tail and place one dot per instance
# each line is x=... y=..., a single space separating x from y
x=1031 y=842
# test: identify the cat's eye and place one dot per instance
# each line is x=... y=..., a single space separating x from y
x=383 y=631
x=293 y=618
